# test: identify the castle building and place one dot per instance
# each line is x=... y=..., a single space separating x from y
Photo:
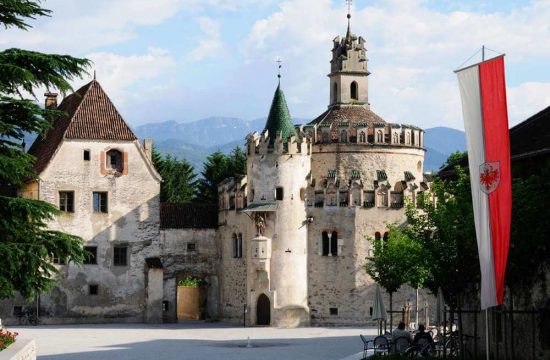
x=287 y=243
x=297 y=226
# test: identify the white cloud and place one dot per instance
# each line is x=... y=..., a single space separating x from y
x=412 y=49
x=78 y=26
x=210 y=43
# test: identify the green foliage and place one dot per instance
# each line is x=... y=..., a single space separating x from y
x=455 y=159
x=179 y=180
x=26 y=244
x=447 y=233
x=396 y=261
x=191 y=281
x=14 y=12
x=217 y=168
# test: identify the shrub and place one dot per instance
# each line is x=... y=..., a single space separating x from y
x=6 y=338
x=191 y=281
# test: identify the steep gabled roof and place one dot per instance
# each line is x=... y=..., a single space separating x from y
x=90 y=115
x=279 y=118
x=532 y=136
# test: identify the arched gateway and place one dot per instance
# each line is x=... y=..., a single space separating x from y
x=263 y=310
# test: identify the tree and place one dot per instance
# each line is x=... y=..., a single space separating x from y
x=396 y=261
x=217 y=168
x=446 y=231
x=179 y=180
x=26 y=244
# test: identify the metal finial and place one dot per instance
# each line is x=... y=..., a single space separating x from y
x=94 y=74
x=349 y=2
x=279 y=61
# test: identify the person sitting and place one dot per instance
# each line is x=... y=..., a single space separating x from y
x=404 y=337
x=423 y=341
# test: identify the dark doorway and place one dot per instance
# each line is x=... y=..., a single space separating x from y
x=263 y=311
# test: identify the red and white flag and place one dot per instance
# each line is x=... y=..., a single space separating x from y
x=483 y=93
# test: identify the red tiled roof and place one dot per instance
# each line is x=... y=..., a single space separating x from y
x=90 y=114
x=352 y=114
x=188 y=215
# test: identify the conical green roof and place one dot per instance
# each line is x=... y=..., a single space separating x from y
x=279 y=118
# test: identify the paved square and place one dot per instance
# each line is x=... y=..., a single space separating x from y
x=192 y=341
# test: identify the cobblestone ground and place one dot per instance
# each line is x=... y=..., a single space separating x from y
x=192 y=341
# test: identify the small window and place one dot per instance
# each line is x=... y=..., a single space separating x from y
x=57 y=261
x=362 y=137
x=191 y=246
x=379 y=136
x=100 y=202
x=354 y=91
x=325 y=244
x=237 y=246
x=114 y=160
x=279 y=193
x=333 y=311
x=66 y=201
x=334 y=92
x=343 y=136
x=120 y=255
x=90 y=255
x=93 y=289
x=86 y=155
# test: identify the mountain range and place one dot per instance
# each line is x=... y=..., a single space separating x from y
x=195 y=140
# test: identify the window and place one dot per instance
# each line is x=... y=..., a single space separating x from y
x=90 y=256
x=66 y=201
x=86 y=155
x=333 y=311
x=379 y=136
x=120 y=255
x=114 y=160
x=377 y=236
x=302 y=194
x=343 y=136
x=362 y=137
x=354 y=91
x=237 y=246
x=191 y=247
x=395 y=138
x=93 y=289
x=334 y=92
x=100 y=202
x=326 y=137
x=408 y=138
x=329 y=243
x=279 y=193
x=58 y=261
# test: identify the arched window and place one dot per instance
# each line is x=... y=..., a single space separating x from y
x=325 y=244
x=334 y=244
x=379 y=136
x=114 y=160
x=334 y=92
x=362 y=137
x=408 y=138
x=326 y=138
x=237 y=245
x=395 y=138
x=354 y=91
x=343 y=136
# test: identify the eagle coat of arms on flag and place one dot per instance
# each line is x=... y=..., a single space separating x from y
x=489 y=176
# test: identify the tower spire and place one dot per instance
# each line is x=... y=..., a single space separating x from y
x=348 y=34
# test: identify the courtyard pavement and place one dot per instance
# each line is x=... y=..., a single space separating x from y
x=190 y=341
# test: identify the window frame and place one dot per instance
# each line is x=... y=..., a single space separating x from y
x=86 y=155
x=120 y=258
x=66 y=199
x=119 y=163
x=102 y=204
x=90 y=260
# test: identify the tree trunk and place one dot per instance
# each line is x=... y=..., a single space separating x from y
x=391 y=312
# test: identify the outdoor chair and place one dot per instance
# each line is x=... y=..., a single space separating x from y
x=401 y=344
x=423 y=347
x=365 y=346
x=380 y=345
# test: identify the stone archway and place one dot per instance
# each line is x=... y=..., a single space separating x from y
x=263 y=310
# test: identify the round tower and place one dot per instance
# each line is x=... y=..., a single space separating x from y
x=277 y=167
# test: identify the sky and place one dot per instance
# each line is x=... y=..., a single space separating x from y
x=185 y=60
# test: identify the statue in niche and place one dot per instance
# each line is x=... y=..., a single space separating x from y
x=260 y=224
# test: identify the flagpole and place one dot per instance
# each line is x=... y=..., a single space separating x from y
x=487 y=332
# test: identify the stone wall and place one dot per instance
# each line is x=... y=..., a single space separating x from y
x=189 y=252
x=132 y=220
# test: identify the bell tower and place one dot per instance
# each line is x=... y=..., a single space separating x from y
x=348 y=70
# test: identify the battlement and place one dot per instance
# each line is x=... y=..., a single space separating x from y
x=261 y=144
x=365 y=134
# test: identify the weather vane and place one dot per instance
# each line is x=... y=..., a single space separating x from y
x=279 y=61
x=349 y=2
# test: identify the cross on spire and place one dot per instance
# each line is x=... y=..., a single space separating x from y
x=279 y=61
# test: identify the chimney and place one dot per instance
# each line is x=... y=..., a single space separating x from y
x=148 y=148
x=51 y=100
